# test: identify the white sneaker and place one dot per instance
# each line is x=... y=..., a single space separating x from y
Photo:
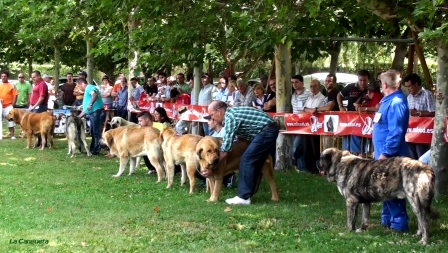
x=238 y=201
x=13 y=137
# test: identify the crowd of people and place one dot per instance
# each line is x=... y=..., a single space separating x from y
x=238 y=109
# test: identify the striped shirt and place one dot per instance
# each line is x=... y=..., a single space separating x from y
x=243 y=121
x=423 y=101
x=298 y=100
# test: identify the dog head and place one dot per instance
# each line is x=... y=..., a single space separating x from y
x=115 y=122
x=328 y=160
x=15 y=115
x=207 y=150
x=107 y=140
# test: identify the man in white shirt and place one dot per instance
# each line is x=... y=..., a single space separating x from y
x=312 y=142
x=244 y=95
x=51 y=91
x=206 y=96
x=298 y=100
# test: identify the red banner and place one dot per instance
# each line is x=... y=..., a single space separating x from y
x=329 y=123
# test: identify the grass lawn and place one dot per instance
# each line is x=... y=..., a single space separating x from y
x=77 y=206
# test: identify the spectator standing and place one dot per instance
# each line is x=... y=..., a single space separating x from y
x=106 y=96
x=232 y=92
x=271 y=105
x=8 y=97
x=257 y=127
x=389 y=130
x=51 y=91
x=67 y=90
x=122 y=99
x=206 y=95
x=244 y=95
x=352 y=93
x=24 y=89
x=94 y=107
x=183 y=86
x=298 y=99
x=260 y=99
x=330 y=104
x=137 y=90
x=78 y=92
x=223 y=91
x=421 y=104
x=39 y=98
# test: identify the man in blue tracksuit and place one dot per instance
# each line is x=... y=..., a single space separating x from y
x=391 y=124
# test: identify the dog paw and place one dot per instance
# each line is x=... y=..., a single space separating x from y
x=359 y=230
x=116 y=175
x=423 y=242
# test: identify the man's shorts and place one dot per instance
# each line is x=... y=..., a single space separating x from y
x=5 y=112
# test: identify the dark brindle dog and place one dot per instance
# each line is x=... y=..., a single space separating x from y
x=365 y=181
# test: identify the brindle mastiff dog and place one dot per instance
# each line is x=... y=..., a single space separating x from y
x=364 y=181
x=34 y=123
x=208 y=152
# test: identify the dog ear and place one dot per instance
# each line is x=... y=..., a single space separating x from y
x=199 y=152
x=337 y=155
x=345 y=153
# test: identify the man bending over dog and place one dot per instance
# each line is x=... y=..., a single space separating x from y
x=389 y=130
x=253 y=125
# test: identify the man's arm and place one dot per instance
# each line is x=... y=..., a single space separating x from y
x=341 y=105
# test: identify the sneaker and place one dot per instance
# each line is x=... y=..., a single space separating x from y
x=238 y=201
x=13 y=137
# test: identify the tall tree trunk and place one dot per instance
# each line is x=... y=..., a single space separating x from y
x=401 y=50
x=335 y=50
x=89 y=44
x=282 y=96
x=197 y=74
x=439 y=148
x=57 y=66
x=30 y=66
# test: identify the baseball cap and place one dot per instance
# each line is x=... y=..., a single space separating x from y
x=82 y=73
x=208 y=117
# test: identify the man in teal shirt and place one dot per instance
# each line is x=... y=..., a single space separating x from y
x=24 y=89
x=93 y=106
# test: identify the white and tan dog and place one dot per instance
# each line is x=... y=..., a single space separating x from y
x=130 y=142
x=119 y=121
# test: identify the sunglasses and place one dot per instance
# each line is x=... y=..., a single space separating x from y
x=21 y=77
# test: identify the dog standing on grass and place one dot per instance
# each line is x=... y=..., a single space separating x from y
x=364 y=181
x=76 y=136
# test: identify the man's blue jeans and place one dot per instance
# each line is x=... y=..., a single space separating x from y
x=394 y=215
x=42 y=108
x=253 y=159
x=96 y=119
x=298 y=152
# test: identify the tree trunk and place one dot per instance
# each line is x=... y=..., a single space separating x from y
x=335 y=50
x=30 y=66
x=57 y=66
x=439 y=148
x=401 y=50
x=89 y=44
x=197 y=74
x=283 y=96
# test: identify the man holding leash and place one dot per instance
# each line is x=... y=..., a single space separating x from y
x=389 y=130
x=253 y=125
x=93 y=106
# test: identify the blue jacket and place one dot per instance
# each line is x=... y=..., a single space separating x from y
x=389 y=131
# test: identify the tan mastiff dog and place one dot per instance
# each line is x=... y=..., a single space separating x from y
x=34 y=123
x=208 y=153
x=180 y=150
x=130 y=142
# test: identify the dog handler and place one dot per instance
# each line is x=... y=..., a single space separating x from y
x=257 y=127
x=391 y=124
x=93 y=105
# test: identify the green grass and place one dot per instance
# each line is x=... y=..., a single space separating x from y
x=77 y=206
